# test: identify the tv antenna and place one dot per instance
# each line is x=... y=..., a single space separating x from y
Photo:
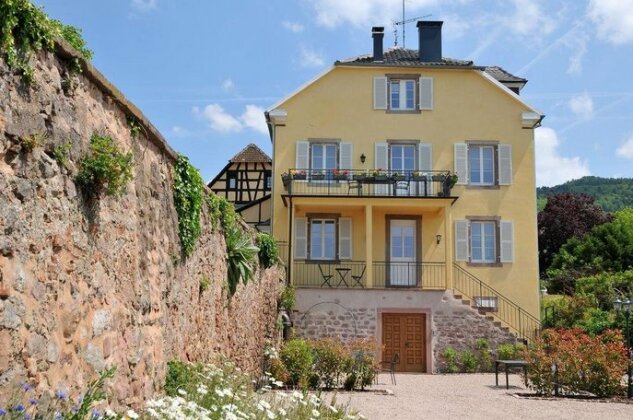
x=403 y=22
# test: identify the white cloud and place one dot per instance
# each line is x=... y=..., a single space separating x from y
x=228 y=85
x=578 y=45
x=218 y=118
x=144 y=5
x=363 y=13
x=529 y=19
x=253 y=117
x=614 y=19
x=626 y=149
x=582 y=105
x=311 y=58
x=551 y=167
x=292 y=26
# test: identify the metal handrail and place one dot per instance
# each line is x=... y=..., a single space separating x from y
x=525 y=325
x=369 y=183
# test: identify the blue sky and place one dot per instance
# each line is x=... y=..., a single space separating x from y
x=204 y=71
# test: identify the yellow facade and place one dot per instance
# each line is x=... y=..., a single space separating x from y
x=468 y=106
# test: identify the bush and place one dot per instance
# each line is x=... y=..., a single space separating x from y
x=510 y=351
x=106 y=170
x=297 y=358
x=328 y=361
x=288 y=298
x=469 y=361
x=485 y=357
x=240 y=257
x=450 y=356
x=360 y=364
x=584 y=363
x=268 y=252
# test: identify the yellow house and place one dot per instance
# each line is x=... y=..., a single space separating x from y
x=404 y=191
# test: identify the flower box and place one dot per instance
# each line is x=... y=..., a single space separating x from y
x=299 y=176
x=360 y=177
x=381 y=178
x=340 y=177
x=418 y=178
x=397 y=177
x=317 y=177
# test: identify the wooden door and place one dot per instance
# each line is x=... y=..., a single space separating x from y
x=405 y=334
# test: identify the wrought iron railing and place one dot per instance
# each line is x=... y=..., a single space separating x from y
x=353 y=274
x=368 y=183
x=488 y=300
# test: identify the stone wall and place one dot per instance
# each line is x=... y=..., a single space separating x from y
x=356 y=313
x=84 y=285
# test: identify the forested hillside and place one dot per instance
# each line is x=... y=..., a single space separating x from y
x=611 y=194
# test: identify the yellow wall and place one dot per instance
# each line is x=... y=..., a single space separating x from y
x=339 y=105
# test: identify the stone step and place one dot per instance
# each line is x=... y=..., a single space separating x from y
x=466 y=302
x=457 y=297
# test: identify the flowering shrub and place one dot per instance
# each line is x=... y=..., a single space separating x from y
x=583 y=363
x=226 y=393
x=24 y=404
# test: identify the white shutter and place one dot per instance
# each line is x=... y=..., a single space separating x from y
x=461 y=163
x=345 y=156
x=381 y=161
x=505 y=164
x=506 y=232
x=302 y=158
x=301 y=237
x=380 y=93
x=425 y=159
x=426 y=93
x=461 y=240
x=345 y=238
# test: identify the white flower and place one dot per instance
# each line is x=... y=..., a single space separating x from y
x=132 y=414
x=314 y=400
x=316 y=413
x=278 y=384
x=282 y=411
x=270 y=414
x=182 y=392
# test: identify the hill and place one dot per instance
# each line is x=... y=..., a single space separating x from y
x=611 y=194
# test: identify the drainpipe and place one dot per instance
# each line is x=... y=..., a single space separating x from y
x=290 y=225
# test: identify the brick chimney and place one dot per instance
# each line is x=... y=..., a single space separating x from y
x=430 y=33
x=378 y=33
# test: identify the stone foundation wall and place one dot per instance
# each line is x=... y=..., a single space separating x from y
x=85 y=286
x=350 y=314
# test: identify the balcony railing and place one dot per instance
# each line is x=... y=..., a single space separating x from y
x=368 y=183
x=353 y=274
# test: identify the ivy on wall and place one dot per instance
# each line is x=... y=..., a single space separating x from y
x=26 y=29
x=188 y=194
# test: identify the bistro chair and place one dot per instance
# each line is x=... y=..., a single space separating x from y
x=401 y=186
x=358 y=280
x=326 y=277
x=353 y=184
x=389 y=366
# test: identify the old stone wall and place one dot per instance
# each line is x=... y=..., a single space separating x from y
x=87 y=285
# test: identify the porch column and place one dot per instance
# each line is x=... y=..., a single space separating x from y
x=291 y=243
x=448 y=246
x=369 y=247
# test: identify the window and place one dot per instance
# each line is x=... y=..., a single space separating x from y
x=483 y=242
x=402 y=158
x=323 y=156
x=231 y=180
x=481 y=165
x=268 y=181
x=402 y=95
x=323 y=239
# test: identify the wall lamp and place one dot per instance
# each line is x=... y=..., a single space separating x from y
x=438 y=239
x=362 y=158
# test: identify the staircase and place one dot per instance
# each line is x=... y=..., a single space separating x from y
x=496 y=307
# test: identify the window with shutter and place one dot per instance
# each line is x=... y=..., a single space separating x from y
x=345 y=238
x=505 y=164
x=484 y=241
x=426 y=93
x=403 y=93
x=302 y=158
x=301 y=238
x=483 y=164
x=461 y=163
x=380 y=93
x=461 y=240
x=506 y=232
x=345 y=156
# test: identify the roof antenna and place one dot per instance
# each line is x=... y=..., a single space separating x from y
x=403 y=22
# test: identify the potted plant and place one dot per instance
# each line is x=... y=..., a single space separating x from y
x=449 y=183
x=397 y=176
x=317 y=175
x=297 y=174
x=418 y=176
x=379 y=175
x=340 y=175
x=363 y=176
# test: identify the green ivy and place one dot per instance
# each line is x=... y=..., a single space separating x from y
x=25 y=29
x=188 y=190
x=106 y=170
x=268 y=251
x=221 y=212
x=135 y=127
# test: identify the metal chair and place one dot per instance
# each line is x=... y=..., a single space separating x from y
x=326 y=277
x=357 y=280
x=395 y=359
x=401 y=186
x=353 y=184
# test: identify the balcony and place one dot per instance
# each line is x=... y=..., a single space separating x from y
x=386 y=275
x=368 y=183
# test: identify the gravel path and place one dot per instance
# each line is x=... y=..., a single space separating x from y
x=471 y=396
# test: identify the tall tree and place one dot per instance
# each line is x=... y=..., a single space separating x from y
x=565 y=216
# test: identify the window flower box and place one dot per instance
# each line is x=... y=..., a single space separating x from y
x=340 y=175
x=397 y=177
x=418 y=176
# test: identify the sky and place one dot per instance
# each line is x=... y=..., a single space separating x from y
x=204 y=71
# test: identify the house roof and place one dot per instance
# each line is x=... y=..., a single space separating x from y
x=404 y=57
x=251 y=153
